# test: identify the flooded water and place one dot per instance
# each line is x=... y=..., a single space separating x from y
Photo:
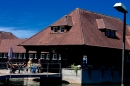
x=32 y=82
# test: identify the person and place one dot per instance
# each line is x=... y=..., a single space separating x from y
x=29 y=64
x=39 y=66
x=11 y=66
x=24 y=66
x=24 y=63
x=84 y=61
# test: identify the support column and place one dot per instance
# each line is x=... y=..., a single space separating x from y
x=27 y=55
x=38 y=54
x=51 y=56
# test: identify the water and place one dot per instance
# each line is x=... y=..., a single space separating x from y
x=35 y=82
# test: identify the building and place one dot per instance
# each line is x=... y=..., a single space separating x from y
x=8 y=40
x=80 y=33
x=83 y=32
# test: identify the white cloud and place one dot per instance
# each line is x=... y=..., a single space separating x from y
x=20 y=33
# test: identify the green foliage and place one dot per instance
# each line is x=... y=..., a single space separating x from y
x=75 y=68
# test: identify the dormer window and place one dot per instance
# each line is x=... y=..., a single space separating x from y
x=106 y=27
x=55 y=29
x=110 y=33
x=62 y=29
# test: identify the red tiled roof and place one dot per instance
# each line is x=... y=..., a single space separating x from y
x=66 y=20
x=100 y=23
x=6 y=43
x=103 y=24
x=83 y=32
x=128 y=34
x=6 y=35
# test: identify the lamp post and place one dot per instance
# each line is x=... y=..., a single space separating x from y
x=121 y=8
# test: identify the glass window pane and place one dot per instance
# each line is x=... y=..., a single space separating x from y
x=0 y=55
x=62 y=29
x=48 y=57
x=42 y=56
x=55 y=29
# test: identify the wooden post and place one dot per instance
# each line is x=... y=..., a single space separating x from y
x=38 y=54
x=27 y=55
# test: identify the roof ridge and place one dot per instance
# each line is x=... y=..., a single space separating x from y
x=99 y=13
x=62 y=17
x=81 y=24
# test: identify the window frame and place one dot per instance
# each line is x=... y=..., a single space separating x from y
x=42 y=56
x=0 y=55
x=35 y=56
x=62 y=28
x=24 y=57
x=128 y=58
x=30 y=55
x=112 y=33
x=55 y=29
x=54 y=57
x=15 y=56
x=48 y=57
x=59 y=57
x=20 y=56
x=107 y=33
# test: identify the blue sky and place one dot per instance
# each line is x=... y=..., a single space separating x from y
x=25 y=18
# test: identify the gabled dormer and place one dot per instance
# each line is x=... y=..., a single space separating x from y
x=63 y=25
x=108 y=29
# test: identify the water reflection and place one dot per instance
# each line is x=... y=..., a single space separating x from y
x=35 y=82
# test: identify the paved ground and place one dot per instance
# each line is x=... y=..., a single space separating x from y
x=4 y=71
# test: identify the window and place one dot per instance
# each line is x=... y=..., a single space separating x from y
x=30 y=55
x=128 y=58
x=112 y=33
x=35 y=56
x=48 y=57
x=24 y=56
x=20 y=56
x=59 y=57
x=62 y=29
x=107 y=32
x=42 y=56
x=54 y=57
x=15 y=55
x=0 y=55
x=5 y=55
x=55 y=29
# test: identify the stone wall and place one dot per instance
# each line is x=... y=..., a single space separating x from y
x=69 y=75
x=86 y=76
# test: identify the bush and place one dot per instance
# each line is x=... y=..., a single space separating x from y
x=75 y=68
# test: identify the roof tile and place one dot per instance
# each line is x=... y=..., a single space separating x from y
x=84 y=31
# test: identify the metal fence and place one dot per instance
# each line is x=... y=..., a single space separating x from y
x=20 y=69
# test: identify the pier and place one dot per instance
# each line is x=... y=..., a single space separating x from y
x=5 y=75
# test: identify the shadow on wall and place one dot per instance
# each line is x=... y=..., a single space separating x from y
x=101 y=75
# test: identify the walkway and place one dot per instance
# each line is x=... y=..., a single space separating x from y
x=5 y=74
